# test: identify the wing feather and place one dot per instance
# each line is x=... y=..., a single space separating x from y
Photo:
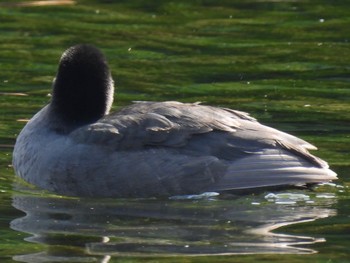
x=247 y=153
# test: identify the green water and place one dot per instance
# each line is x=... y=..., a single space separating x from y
x=285 y=62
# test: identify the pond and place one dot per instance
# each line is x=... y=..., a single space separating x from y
x=284 y=62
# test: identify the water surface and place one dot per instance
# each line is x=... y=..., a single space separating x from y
x=285 y=62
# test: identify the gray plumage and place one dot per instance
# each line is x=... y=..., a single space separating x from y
x=160 y=149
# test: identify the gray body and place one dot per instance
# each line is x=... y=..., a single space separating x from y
x=160 y=149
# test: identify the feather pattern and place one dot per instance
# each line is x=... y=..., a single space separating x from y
x=74 y=147
x=194 y=148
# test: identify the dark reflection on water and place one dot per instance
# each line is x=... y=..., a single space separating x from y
x=82 y=230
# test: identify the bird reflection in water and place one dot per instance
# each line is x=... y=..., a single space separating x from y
x=85 y=230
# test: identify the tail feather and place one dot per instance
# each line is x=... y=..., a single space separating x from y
x=272 y=167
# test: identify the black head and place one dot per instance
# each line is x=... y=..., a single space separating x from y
x=83 y=88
